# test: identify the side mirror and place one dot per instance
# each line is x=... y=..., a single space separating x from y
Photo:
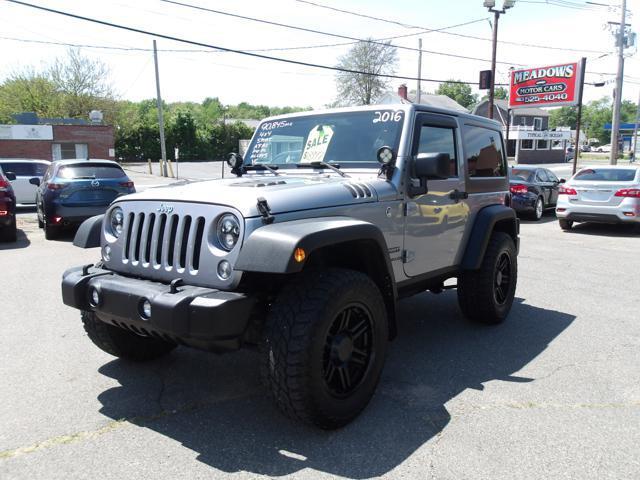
x=427 y=166
x=235 y=161
x=35 y=181
x=431 y=166
x=562 y=180
x=10 y=176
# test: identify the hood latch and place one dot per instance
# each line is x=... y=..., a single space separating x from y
x=265 y=211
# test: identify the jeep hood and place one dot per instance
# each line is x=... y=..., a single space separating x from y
x=283 y=193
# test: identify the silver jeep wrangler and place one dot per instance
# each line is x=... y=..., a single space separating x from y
x=305 y=251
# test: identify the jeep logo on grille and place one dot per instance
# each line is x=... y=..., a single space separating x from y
x=164 y=208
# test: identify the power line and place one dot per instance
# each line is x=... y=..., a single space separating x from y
x=320 y=32
x=231 y=50
x=407 y=25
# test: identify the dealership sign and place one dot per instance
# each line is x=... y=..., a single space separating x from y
x=26 y=132
x=545 y=86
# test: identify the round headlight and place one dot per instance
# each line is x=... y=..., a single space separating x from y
x=228 y=231
x=116 y=221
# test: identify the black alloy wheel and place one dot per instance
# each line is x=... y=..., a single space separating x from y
x=502 y=279
x=348 y=350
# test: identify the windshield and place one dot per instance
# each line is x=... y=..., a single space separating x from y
x=522 y=174
x=606 y=175
x=91 y=170
x=348 y=139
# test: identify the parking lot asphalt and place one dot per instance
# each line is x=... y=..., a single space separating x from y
x=552 y=393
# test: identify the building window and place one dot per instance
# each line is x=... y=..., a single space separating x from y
x=69 y=151
x=523 y=121
x=537 y=124
x=526 y=145
x=542 y=145
x=483 y=148
x=557 y=144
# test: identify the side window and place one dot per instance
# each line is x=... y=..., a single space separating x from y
x=483 y=150
x=541 y=176
x=552 y=176
x=439 y=140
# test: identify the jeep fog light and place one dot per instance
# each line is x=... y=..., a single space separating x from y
x=145 y=309
x=95 y=297
x=228 y=230
x=224 y=270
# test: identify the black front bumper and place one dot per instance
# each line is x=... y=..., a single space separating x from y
x=200 y=317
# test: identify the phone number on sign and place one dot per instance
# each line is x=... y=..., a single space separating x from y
x=551 y=97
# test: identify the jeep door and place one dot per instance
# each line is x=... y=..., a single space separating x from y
x=435 y=222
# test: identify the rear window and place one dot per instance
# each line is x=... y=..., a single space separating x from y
x=25 y=169
x=91 y=170
x=521 y=174
x=606 y=175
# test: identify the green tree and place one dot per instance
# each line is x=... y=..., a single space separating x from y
x=365 y=88
x=29 y=91
x=563 y=117
x=460 y=92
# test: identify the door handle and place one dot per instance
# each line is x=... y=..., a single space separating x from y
x=457 y=195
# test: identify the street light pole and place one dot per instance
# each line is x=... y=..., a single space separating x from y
x=492 y=85
x=490 y=4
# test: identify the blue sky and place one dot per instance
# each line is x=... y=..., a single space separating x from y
x=234 y=78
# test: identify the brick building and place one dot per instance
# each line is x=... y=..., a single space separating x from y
x=46 y=140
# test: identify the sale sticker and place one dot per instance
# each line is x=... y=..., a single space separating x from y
x=545 y=86
x=318 y=141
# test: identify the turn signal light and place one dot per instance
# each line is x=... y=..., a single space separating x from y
x=299 y=255
x=629 y=193
x=4 y=183
x=562 y=190
x=4 y=213
x=126 y=184
x=56 y=186
x=518 y=189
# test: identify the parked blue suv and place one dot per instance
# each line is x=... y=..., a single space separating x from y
x=73 y=190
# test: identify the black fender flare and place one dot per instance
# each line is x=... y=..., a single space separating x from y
x=489 y=219
x=269 y=249
x=88 y=234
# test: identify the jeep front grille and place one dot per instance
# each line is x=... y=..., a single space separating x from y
x=167 y=241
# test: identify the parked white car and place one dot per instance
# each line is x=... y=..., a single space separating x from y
x=25 y=170
x=608 y=194
x=604 y=148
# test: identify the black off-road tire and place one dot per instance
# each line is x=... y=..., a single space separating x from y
x=9 y=233
x=302 y=349
x=122 y=343
x=479 y=297
x=565 y=224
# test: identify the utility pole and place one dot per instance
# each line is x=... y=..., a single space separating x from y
x=617 y=101
x=419 y=92
x=163 y=148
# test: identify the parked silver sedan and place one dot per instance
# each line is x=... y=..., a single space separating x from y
x=607 y=194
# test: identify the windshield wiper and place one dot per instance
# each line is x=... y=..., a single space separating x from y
x=335 y=167
x=262 y=166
